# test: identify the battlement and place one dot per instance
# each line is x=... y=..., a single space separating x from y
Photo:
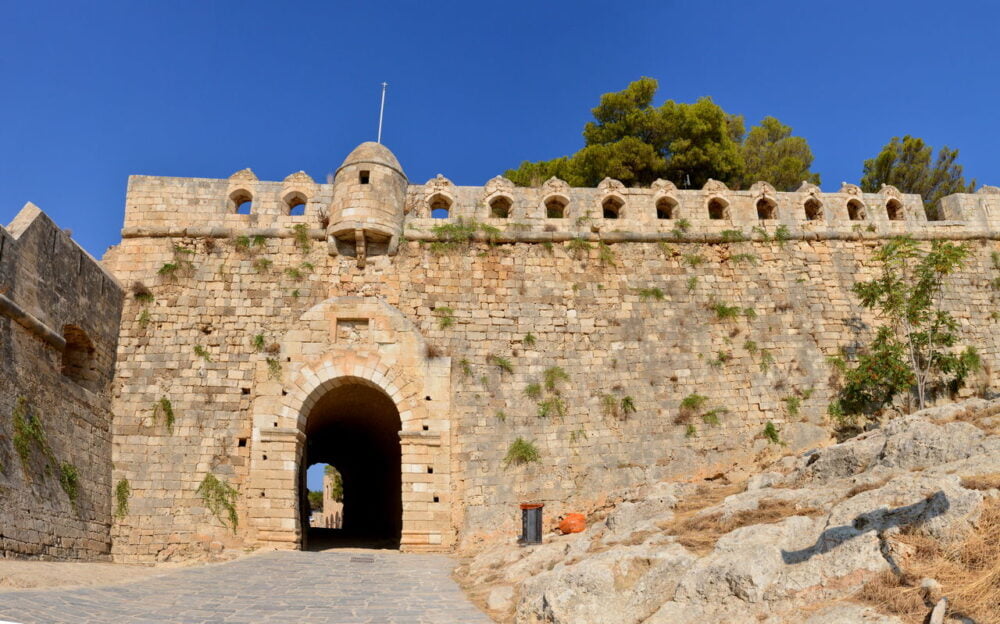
x=157 y=206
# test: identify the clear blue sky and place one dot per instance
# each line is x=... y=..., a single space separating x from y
x=95 y=91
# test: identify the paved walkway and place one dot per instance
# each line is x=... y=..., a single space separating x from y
x=295 y=587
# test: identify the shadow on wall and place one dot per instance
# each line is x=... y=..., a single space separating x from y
x=879 y=520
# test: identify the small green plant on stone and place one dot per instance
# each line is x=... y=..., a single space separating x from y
x=446 y=316
x=258 y=241
x=491 y=233
x=28 y=434
x=720 y=359
x=466 y=367
x=242 y=244
x=782 y=235
x=258 y=342
x=164 y=408
x=690 y=431
x=501 y=416
x=521 y=452
x=605 y=255
x=553 y=376
x=750 y=313
x=628 y=405
x=273 y=368
x=552 y=406
x=529 y=340
x=666 y=248
x=142 y=293
x=681 y=228
x=792 y=405
x=122 y=493
x=692 y=283
x=502 y=363
x=220 y=499
x=725 y=312
x=750 y=347
x=651 y=293
x=711 y=417
x=764 y=236
x=201 y=352
x=694 y=260
x=144 y=319
x=169 y=269
x=578 y=246
x=577 y=434
x=69 y=480
x=294 y=273
x=301 y=234
x=533 y=391
x=296 y=294
x=690 y=406
x=609 y=403
x=733 y=236
x=766 y=360
x=262 y=265
x=772 y=433
x=747 y=258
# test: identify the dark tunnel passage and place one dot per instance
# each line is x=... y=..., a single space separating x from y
x=355 y=428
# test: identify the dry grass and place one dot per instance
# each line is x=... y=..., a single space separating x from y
x=982 y=482
x=433 y=351
x=978 y=418
x=866 y=487
x=968 y=570
x=699 y=533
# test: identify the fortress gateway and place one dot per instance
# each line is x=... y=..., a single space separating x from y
x=166 y=402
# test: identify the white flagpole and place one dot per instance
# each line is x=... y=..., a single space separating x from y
x=380 y=111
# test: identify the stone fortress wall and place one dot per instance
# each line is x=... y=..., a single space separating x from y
x=616 y=286
x=239 y=333
x=59 y=321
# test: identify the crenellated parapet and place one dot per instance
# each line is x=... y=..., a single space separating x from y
x=368 y=204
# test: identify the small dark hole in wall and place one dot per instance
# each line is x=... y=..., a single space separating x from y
x=242 y=442
x=364 y=176
x=430 y=469
x=262 y=493
x=288 y=359
x=426 y=428
x=244 y=390
x=275 y=424
x=265 y=456
x=427 y=398
x=437 y=500
x=284 y=392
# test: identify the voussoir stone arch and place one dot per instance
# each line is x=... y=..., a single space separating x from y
x=313 y=381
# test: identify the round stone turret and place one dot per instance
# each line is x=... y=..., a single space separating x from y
x=369 y=194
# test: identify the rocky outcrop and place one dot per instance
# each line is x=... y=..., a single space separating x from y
x=793 y=543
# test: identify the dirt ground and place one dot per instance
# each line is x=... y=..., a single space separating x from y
x=23 y=574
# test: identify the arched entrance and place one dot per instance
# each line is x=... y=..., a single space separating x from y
x=359 y=390
x=355 y=427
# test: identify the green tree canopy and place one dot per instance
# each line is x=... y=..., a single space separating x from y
x=771 y=153
x=315 y=500
x=338 y=483
x=636 y=142
x=906 y=164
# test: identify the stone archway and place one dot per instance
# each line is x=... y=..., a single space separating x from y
x=355 y=427
x=359 y=343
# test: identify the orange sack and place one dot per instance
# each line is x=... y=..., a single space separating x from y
x=573 y=523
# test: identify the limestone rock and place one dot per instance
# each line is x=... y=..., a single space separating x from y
x=623 y=586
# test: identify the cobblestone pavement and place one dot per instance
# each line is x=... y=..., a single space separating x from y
x=307 y=587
